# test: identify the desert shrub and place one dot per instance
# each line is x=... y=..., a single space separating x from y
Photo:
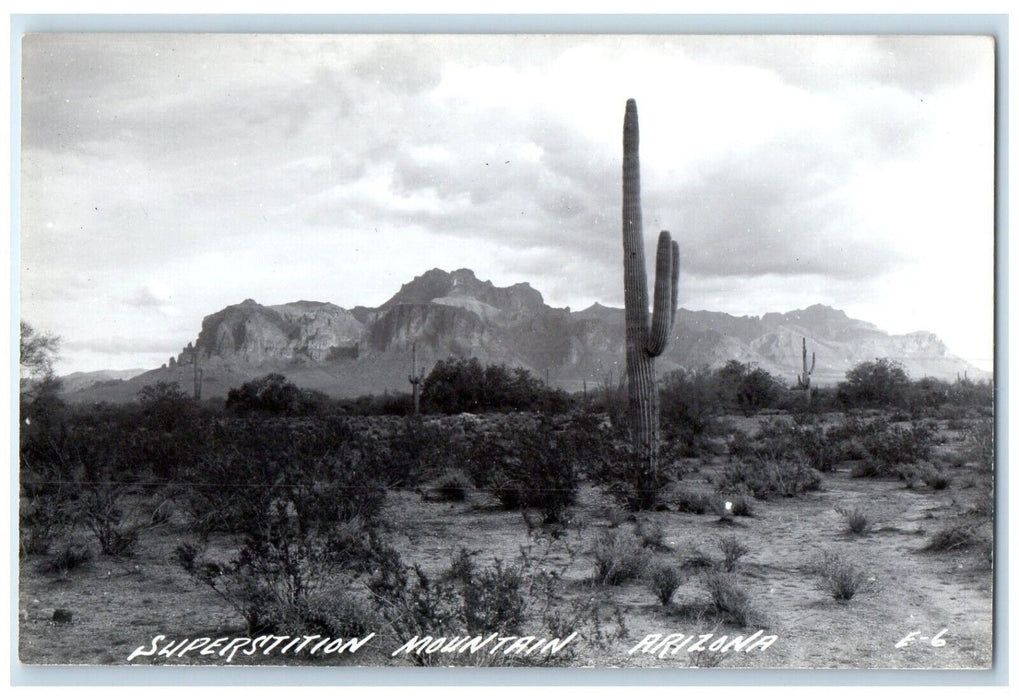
x=110 y=501
x=689 y=405
x=622 y=475
x=729 y=598
x=458 y=385
x=979 y=438
x=821 y=452
x=386 y=404
x=619 y=557
x=893 y=444
x=880 y=383
x=453 y=486
x=732 y=550
x=779 y=440
x=953 y=537
x=297 y=526
x=687 y=501
x=466 y=600
x=663 y=579
x=849 y=435
x=935 y=479
x=747 y=389
x=839 y=576
x=610 y=398
x=867 y=469
x=529 y=466
x=770 y=478
x=651 y=535
x=117 y=514
x=276 y=581
x=968 y=394
x=410 y=451
x=273 y=394
x=493 y=598
x=71 y=556
x=42 y=519
x=229 y=481
x=461 y=566
x=164 y=406
x=857 y=521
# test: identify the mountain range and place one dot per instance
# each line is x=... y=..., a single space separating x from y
x=351 y=352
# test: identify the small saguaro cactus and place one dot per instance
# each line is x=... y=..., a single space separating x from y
x=645 y=340
x=415 y=378
x=803 y=380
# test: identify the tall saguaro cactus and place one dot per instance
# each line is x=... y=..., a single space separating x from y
x=645 y=339
x=803 y=380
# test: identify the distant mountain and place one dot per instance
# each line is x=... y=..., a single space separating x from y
x=368 y=350
x=78 y=381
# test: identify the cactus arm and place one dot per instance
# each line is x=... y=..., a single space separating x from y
x=813 y=361
x=661 y=319
x=675 y=279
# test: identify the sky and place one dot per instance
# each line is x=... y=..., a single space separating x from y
x=165 y=176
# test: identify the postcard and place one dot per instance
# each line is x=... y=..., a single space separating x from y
x=507 y=350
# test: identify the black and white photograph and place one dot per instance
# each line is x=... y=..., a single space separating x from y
x=641 y=351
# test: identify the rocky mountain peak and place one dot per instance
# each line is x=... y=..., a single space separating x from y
x=438 y=285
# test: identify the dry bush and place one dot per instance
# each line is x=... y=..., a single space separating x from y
x=730 y=598
x=663 y=579
x=953 y=537
x=651 y=535
x=695 y=502
x=732 y=550
x=619 y=557
x=72 y=556
x=857 y=521
x=839 y=576
x=979 y=438
x=770 y=478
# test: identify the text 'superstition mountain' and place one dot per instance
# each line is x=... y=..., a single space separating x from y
x=347 y=353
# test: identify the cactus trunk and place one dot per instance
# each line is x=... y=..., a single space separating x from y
x=415 y=379
x=644 y=340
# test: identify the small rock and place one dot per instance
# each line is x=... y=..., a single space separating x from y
x=62 y=616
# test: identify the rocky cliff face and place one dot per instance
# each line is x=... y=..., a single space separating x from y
x=303 y=331
x=367 y=350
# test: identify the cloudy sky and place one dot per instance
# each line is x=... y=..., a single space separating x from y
x=167 y=176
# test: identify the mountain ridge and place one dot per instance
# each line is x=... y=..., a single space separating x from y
x=363 y=350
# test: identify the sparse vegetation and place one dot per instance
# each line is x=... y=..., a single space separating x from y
x=730 y=598
x=732 y=551
x=619 y=557
x=857 y=521
x=839 y=576
x=769 y=478
x=953 y=537
x=71 y=556
x=663 y=579
x=285 y=517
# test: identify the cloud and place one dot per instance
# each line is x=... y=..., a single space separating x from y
x=339 y=167
x=153 y=295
